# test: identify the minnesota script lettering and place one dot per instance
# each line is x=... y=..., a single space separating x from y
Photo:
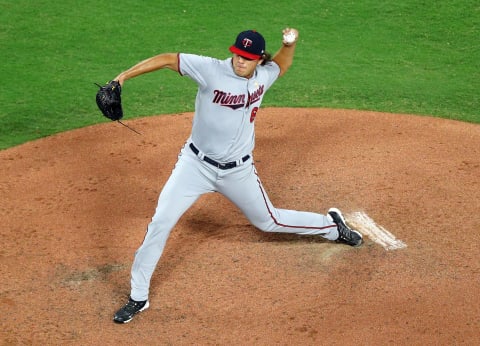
x=237 y=101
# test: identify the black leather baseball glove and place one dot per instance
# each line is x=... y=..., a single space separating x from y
x=109 y=100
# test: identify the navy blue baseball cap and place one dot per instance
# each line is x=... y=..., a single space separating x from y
x=249 y=44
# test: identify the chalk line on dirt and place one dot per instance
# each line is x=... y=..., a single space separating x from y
x=365 y=225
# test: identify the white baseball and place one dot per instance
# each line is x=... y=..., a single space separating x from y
x=289 y=37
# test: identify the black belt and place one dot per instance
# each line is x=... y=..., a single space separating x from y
x=227 y=165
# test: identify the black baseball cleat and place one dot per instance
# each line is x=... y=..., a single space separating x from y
x=126 y=313
x=345 y=234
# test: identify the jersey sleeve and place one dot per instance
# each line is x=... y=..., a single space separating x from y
x=272 y=71
x=197 y=67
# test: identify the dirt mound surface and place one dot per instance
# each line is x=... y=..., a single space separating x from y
x=75 y=207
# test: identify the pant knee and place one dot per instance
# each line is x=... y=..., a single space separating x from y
x=267 y=226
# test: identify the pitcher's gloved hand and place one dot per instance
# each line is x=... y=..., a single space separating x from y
x=109 y=101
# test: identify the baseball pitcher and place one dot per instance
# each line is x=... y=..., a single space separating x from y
x=218 y=154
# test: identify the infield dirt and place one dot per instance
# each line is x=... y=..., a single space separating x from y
x=75 y=207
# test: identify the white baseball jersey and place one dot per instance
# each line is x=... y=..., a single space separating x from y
x=226 y=105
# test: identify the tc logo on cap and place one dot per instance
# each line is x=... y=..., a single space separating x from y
x=247 y=42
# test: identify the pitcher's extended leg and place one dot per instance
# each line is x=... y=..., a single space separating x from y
x=248 y=194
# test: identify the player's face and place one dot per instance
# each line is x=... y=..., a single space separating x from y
x=244 y=67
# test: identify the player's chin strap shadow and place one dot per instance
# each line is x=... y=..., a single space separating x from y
x=130 y=128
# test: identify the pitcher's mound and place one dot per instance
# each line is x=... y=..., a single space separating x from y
x=74 y=208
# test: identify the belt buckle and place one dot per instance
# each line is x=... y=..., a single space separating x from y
x=229 y=165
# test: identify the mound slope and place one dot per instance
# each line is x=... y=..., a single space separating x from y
x=75 y=206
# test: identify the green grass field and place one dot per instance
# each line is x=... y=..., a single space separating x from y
x=420 y=57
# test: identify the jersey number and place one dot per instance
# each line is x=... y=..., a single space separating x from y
x=253 y=114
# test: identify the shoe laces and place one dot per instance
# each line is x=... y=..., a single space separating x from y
x=344 y=232
x=132 y=306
